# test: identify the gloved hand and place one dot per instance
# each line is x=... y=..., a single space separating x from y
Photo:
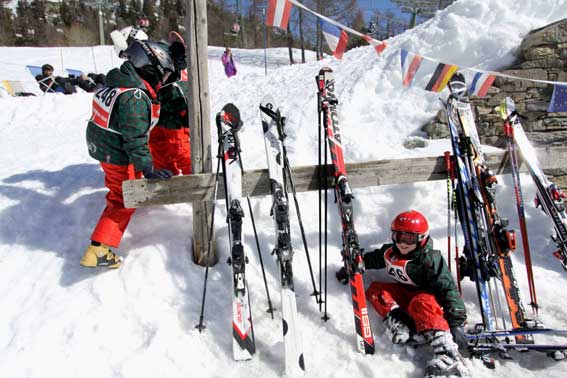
x=160 y=174
x=459 y=336
x=177 y=53
x=342 y=276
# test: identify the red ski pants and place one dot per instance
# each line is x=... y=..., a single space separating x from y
x=171 y=149
x=115 y=217
x=421 y=306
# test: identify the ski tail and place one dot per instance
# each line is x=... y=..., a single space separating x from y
x=364 y=338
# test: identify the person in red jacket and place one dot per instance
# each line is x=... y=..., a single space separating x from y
x=169 y=140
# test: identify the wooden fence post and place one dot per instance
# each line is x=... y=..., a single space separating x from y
x=199 y=122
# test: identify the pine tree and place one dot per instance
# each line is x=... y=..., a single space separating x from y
x=359 y=25
x=38 y=22
x=134 y=11
x=150 y=11
x=122 y=11
x=7 y=35
x=23 y=32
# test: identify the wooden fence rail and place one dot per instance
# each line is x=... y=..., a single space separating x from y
x=199 y=187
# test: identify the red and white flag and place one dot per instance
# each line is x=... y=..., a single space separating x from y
x=481 y=83
x=379 y=46
x=278 y=13
x=336 y=38
x=410 y=65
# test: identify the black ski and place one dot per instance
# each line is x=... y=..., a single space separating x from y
x=228 y=123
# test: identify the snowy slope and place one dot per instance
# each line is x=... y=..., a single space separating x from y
x=58 y=319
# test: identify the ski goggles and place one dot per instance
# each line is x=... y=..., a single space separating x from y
x=409 y=238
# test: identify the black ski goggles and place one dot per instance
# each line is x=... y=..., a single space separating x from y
x=408 y=238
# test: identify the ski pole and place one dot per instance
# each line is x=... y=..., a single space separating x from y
x=508 y=133
x=449 y=198
x=325 y=317
x=320 y=179
x=301 y=228
x=457 y=261
x=287 y=176
x=201 y=326
x=270 y=308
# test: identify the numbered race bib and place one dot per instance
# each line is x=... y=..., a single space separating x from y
x=104 y=101
x=397 y=268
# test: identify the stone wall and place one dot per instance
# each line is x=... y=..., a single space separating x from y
x=542 y=55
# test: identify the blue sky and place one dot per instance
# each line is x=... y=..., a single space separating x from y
x=367 y=6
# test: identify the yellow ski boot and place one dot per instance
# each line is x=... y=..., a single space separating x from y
x=100 y=255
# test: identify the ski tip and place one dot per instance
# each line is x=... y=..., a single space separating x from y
x=325 y=69
x=267 y=102
x=231 y=115
x=457 y=85
x=267 y=98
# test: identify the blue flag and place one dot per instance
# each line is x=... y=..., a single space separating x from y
x=559 y=99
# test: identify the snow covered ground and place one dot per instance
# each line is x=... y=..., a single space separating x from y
x=58 y=319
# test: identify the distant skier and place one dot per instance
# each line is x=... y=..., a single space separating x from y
x=228 y=63
x=424 y=300
x=117 y=135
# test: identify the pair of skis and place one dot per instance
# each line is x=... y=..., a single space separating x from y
x=549 y=196
x=488 y=242
x=351 y=251
x=228 y=124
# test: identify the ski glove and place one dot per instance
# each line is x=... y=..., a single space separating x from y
x=160 y=174
x=342 y=276
x=459 y=336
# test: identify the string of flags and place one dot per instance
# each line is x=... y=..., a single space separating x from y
x=413 y=65
x=334 y=32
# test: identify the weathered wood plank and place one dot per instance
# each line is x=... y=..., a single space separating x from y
x=181 y=189
x=199 y=120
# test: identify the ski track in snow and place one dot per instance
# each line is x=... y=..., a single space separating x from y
x=59 y=319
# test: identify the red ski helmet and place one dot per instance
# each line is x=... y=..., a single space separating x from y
x=410 y=222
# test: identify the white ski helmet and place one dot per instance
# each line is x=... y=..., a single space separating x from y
x=124 y=37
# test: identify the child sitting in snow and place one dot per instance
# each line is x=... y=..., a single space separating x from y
x=424 y=300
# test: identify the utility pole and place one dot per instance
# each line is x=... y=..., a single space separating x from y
x=199 y=122
x=100 y=22
x=265 y=42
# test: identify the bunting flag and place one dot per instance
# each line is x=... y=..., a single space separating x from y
x=336 y=38
x=441 y=77
x=558 y=99
x=410 y=65
x=278 y=13
x=481 y=83
x=378 y=46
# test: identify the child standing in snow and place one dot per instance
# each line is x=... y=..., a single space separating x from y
x=169 y=140
x=117 y=136
x=228 y=63
x=424 y=300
